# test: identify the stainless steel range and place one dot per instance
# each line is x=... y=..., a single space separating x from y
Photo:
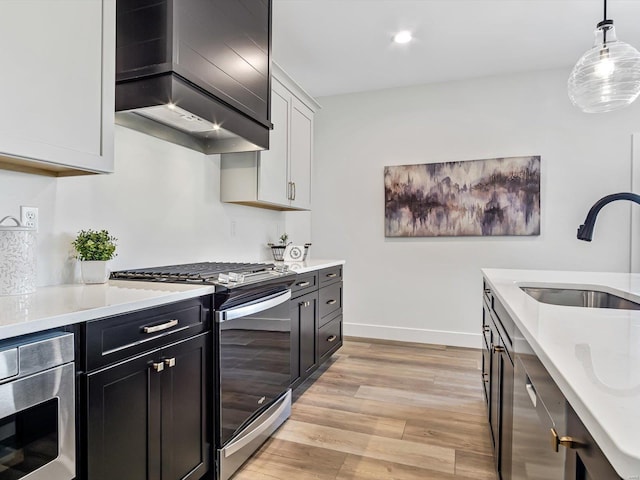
x=252 y=351
x=224 y=274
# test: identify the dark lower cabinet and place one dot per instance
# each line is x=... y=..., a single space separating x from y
x=304 y=346
x=316 y=320
x=585 y=461
x=523 y=449
x=147 y=416
x=497 y=376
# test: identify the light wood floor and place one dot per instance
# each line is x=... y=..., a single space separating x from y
x=384 y=412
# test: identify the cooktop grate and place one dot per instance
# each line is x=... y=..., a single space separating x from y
x=191 y=271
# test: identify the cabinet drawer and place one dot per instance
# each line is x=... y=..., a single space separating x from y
x=330 y=300
x=114 y=338
x=330 y=275
x=486 y=370
x=330 y=337
x=305 y=282
x=486 y=326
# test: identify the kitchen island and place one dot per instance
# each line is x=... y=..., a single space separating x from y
x=592 y=354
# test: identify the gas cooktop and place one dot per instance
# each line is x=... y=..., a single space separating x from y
x=227 y=274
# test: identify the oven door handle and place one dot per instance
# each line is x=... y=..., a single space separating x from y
x=253 y=308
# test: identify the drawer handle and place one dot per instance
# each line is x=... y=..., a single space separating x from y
x=332 y=275
x=567 y=442
x=170 y=362
x=485 y=377
x=331 y=302
x=158 y=367
x=332 y=338
x=303 y=284
x=486 y=329
x=498 y=349
x=305 y=304
x=162 y=326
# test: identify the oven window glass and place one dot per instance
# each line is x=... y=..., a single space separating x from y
x=255 y=365
x=28 y=440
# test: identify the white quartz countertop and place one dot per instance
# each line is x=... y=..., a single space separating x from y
x=312 y=265
x=56 y=306
x=593 y=354
x=59 y=305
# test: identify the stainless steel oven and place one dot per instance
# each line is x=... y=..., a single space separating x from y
x=37 y=408
x=252 y=350
x=254 y=369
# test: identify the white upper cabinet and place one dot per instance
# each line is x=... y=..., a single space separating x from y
x=278 y=178
x=58 y=84
x=301 y=153
x=273 y=164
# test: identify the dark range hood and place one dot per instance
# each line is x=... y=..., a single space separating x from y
x=196 y=72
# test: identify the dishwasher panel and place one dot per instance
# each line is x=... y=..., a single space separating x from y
x=533 y=456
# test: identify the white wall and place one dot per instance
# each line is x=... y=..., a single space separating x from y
x=162 y=204
x=429 y=289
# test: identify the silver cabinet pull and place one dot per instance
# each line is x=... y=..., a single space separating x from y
x=303 y=284
x=332 y=275
x=158 y=367
x=305 y=304
x=294 y=190
x=170 y=362
x=331 y=302
x=162 y=326
x=332 y=338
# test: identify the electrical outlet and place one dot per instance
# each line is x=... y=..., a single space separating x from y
x=29 y=217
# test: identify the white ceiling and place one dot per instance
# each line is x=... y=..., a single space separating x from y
x=340 y=46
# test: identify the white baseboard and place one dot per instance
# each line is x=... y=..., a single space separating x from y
x=418 y=335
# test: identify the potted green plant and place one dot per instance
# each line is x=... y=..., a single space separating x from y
x=94 y=248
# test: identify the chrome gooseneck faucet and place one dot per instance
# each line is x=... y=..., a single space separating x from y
x=585 y=231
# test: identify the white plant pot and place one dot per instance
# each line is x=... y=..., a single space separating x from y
x=94 y=271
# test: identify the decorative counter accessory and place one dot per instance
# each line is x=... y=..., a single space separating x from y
x=17 y=258
x=94 y=249
x=284 y=250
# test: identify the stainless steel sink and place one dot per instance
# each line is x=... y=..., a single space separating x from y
x=580 y=298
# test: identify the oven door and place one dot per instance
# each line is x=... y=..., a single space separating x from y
x=37 y=426
x=254 y=344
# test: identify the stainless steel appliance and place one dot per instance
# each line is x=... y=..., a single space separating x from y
x=254 y=348
x=252 y=352
x=537 y=410
x=37 y=408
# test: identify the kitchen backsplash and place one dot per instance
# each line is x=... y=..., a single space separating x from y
x=162 y=204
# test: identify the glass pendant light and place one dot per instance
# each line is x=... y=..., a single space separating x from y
x=607 y=77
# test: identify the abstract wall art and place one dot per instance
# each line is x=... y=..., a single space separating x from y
x=496 y=196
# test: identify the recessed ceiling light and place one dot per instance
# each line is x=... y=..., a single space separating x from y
x=402 y=37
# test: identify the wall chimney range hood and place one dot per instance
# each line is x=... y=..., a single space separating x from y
x=195 y=72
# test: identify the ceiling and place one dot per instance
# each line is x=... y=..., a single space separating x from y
x=340 y=46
